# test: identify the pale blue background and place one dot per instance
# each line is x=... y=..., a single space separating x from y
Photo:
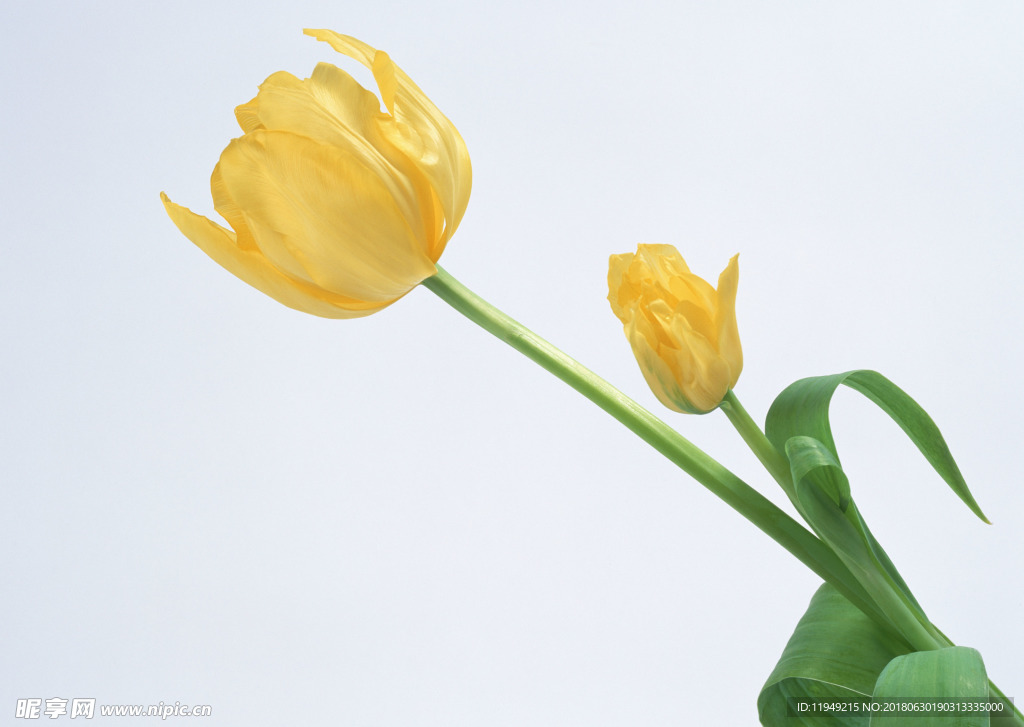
x=212 y=499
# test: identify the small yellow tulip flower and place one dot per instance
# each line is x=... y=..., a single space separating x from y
x=336 y=207
x=683 y=331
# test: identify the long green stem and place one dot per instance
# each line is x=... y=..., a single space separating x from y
x=727 y=486
x=747 y=501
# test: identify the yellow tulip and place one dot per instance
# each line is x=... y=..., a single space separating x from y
x=683 y=331
x=336 y=207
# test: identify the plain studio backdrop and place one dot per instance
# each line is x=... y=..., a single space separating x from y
x=212 y=499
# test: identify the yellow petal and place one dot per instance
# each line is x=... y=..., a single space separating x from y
x=619 y=293
x=227 y=209
x=319 y=206
x=704 y=379
x=385 y=74
x=332 y=108
x=728 y=329
x=699 y=319
x=254 y=269
x=247 y=116
x=662 y=263
x=658 y=374
x=422 y=132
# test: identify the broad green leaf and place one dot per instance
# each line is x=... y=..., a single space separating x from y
x=802 y=410
x=912 y=689
x=835 y=654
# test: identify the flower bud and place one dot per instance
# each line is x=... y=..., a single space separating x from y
x=683 y=331
x=335 y=207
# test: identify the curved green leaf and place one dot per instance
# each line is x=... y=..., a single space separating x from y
x=927 y=679
x=802 y=410
x=821 y=494
x=835 y=654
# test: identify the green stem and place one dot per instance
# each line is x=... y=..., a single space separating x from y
x=773 y=460
x=727 y=486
